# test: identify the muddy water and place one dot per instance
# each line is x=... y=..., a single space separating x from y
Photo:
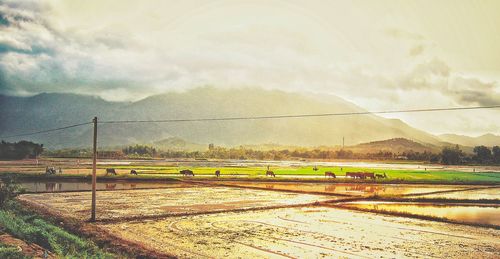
x=308 y=233
x=352 y=189
x=65 y=186
x=472 y=214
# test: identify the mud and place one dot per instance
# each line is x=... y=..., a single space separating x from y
x=166 y=202
x=317 y=232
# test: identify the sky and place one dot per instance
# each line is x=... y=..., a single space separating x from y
x=380 y=55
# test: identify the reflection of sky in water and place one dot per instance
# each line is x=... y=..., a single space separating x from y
x=352 y=189
x=474 y=214
x=489 y=193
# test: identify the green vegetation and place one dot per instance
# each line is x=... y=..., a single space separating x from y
x=449 y=155
x=8 y=189
x=30 y=227
x=445 y=176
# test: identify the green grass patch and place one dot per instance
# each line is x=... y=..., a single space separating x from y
x=32 y=228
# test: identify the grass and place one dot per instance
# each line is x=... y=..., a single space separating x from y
x=30 y=227
x=393 y=174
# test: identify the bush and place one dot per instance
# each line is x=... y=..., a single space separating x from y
x=8 y=189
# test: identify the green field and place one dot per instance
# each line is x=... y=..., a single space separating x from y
x=393 y=174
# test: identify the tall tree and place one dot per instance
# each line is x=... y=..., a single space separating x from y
x=482 y=154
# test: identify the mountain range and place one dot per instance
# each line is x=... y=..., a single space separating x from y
x=51 y=110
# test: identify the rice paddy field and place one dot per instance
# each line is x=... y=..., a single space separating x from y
x=257 y=169
x=298 y=214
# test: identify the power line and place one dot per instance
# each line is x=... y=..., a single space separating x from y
x=259 y=118
x=303 y=115
x=48 y=130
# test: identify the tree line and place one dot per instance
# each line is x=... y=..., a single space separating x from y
x=19 y=150
x=452 y=155
x=448 y=155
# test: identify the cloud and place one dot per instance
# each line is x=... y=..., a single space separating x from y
x=403 y=34
x=474 y=91
x=417 y=50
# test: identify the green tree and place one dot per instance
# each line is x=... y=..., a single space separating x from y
x=482 y=154
x=496 y=154
x=452 y=155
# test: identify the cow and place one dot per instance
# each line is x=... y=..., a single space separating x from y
x=315 y=168
x=50 y=170
x=217 y=173
x=360 y=175
x=352 y=174
x=381 y=176
x=110 y=171
x=270 y=173
x=330 y=174
x=187 y=172
x=133 y=172
x=369 y=175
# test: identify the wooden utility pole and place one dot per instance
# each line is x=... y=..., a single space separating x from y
x=94 y=165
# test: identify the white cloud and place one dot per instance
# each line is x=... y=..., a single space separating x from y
x=129 y=50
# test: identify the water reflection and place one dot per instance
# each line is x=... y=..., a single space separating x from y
x=64 y=186
x=473 y=214
x=349 y=188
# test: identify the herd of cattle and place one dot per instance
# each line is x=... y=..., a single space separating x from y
x=354 y=175
x=187 y=172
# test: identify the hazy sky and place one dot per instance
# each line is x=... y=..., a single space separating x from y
x=378 y=54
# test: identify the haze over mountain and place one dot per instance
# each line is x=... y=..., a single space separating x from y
x=45 y=111
x=485 y=140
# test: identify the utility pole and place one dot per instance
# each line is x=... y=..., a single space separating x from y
x=94 y=162
x=343 y=142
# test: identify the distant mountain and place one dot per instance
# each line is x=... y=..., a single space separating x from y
x=394 y=145
x=45 y=111
x=486 y=140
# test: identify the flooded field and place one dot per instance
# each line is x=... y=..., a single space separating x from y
x=486 y=193
x=162 y=202
x=480 y=214
x=65 y=186
x=350 y=188
x=317 y=232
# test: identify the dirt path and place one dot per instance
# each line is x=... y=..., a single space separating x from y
x=31 y=250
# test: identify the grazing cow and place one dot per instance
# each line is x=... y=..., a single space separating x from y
x=380 y=176
x=217 y=173
x=133 y=172
x=270 y=173
x=110 y=171
x=369 y=175
x=352 y=174
x=187 y=172
x=50 y=170
x=330 y=174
